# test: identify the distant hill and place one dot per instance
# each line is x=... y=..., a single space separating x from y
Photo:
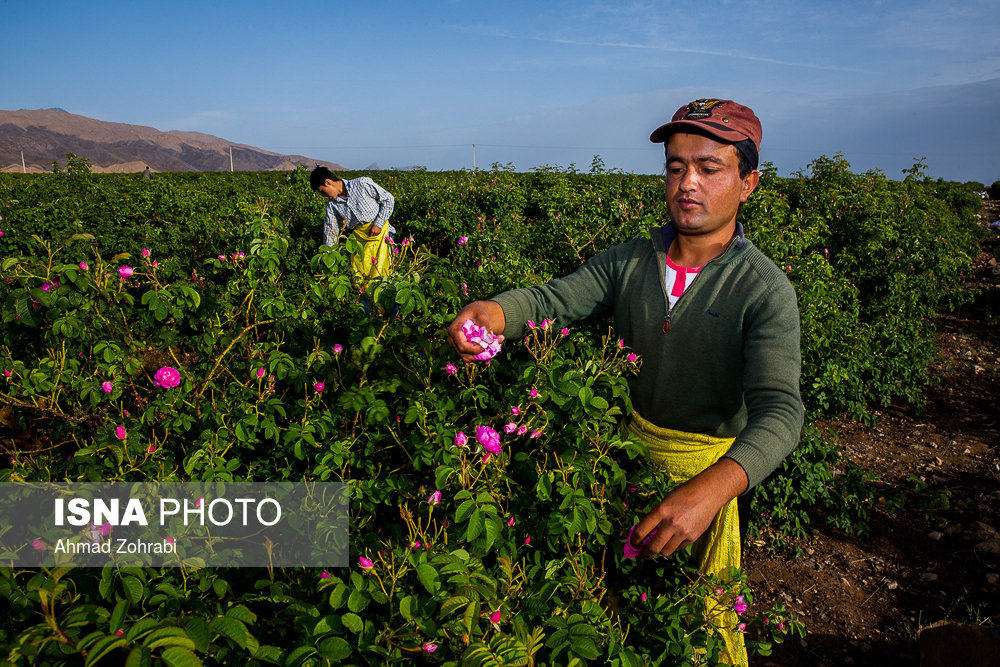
x=45 y=135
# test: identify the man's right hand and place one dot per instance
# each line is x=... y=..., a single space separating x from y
x=487 y=314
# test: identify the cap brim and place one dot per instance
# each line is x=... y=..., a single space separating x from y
x=662 y=134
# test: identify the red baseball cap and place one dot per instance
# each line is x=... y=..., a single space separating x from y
x=724 y=120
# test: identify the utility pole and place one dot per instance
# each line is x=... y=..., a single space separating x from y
x=23 y=168
x=230 y=158
x=473 y=157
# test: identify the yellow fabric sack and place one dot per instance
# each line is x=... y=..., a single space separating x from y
x=374 y=259
x=682 y=456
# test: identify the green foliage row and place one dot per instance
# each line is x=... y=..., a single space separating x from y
x=292 y=370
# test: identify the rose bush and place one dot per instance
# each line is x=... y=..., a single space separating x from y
x=290 y=370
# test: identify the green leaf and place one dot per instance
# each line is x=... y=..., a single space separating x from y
x=334 y=648
x=197 y=630
x=353 y=623
x=102 y=648
x=451 y=604
x=357 y=601
x=132 y=588
x=298 y=655
x=408 y=607
x=493 y=531
x=586 y=395
x=118 y=615
x=231 y=628
x=169 y=636
x=464 y=510
x=140 y=656
x=428 y=577
x=241 y=613
x=175 y=656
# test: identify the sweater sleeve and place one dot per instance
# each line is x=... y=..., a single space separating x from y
x=590 y=290
x=773 y=365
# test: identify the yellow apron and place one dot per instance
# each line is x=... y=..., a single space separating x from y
x=682 y=456
x=374 y=259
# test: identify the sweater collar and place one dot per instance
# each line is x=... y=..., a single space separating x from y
x=668 y=234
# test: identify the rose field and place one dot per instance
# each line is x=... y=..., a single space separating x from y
x=191 y=328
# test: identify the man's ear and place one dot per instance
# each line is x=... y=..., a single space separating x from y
x=750 y=182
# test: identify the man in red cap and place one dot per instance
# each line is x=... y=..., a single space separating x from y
x=716 y=324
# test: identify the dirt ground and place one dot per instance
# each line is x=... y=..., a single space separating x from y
x=864 y=601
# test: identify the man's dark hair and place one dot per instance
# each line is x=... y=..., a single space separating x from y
x=748 y=156
x=319 y=175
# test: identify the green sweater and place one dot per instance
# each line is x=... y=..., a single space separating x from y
x=730 y=364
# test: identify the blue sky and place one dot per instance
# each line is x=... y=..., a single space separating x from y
x=529 y=83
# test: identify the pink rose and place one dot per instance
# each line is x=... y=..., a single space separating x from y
x=522 y=430
x=429 y=647
x=565 y=331
x=434 y=498
x=107 y=387
x=533 y=393
x=260 y=372
x=631 y=356
x=324 y=575
x=167 y=377
x=338 y=348
x=534 y=434
x=463 y=241
x=151 y=449
x=83 y=265
x=495 y=616
x=489 y=439
x=145 y=252
x=120 y=432
x=125 y=271
x=38 y=545
x=319 y=386
x=509 y=428
x=516 y=410
x=365 y=563
x=461 y=440
x=450 y=369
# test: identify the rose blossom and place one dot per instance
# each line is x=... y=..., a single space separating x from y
x=125 y=271
x=365 y=563
x=434 y=498
x=319 y=386
x=429 y=647
x=83 y=265
x=489 y=439
x=167 y=377
x=461 y=440
x=509 y=428
x=450 y=369
x=120 y=432
x=107 y=387
x=338 y=348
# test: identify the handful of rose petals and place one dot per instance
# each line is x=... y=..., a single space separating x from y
x=483 y=337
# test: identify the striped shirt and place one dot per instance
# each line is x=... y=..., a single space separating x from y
x=362 y=201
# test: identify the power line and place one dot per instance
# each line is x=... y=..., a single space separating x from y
x=395 y=146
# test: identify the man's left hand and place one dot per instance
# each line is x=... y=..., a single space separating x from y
x=687 y=511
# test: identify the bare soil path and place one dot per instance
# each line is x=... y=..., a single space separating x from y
x=865 y=600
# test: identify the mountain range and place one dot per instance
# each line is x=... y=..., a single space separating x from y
x=31 y=139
